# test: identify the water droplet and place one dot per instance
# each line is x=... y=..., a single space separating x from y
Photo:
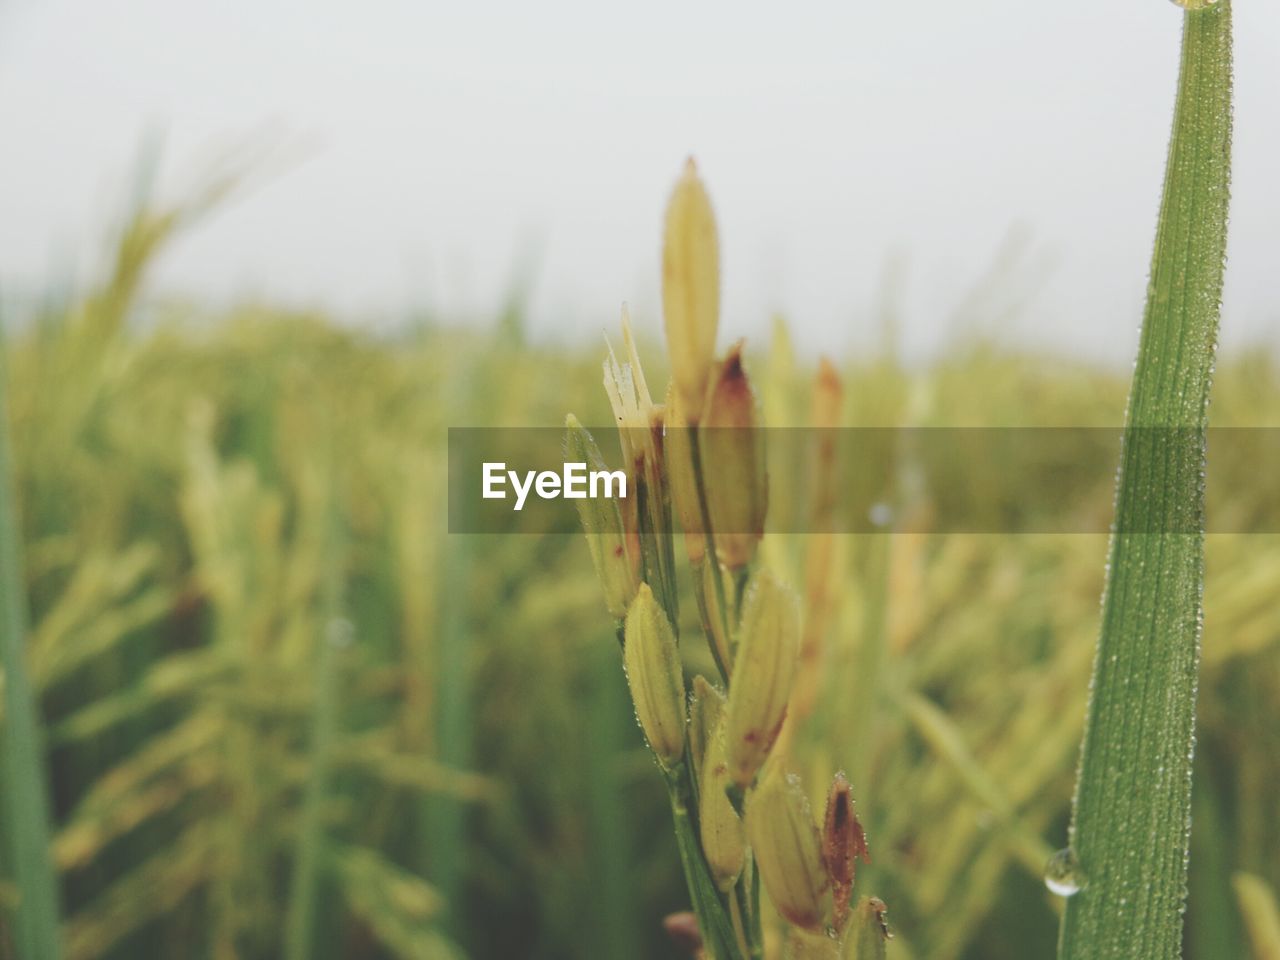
x=1062 y=874
x=1195 y=4
x=880 y=514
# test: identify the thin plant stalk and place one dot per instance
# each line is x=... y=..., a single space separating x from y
x=1131 y=820
x=26 y=800
x=306 y=887
x=445 y=816
x=611 y=833
x=713 y=917
x=442 y=819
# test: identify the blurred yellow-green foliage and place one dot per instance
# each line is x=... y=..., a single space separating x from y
x=200 y=494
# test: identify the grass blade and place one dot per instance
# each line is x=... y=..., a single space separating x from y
x=26 y=801
x=1215 y=929
x=306 y=889
x=612 y=910
x=444 y=817
x=1131 y=820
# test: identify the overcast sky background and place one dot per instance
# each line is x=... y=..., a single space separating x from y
x=442 y=147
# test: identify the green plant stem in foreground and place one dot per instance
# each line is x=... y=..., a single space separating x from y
x=1131 y=822
x=713 y=920
x=25 y=803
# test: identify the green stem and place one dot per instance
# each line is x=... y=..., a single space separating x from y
x=746 y=894
x=757 y=922
x=740 y=578
x=306 y=886
x=737 y=916
x=26 y=800
x=609 y=822
x=444 y=818
x=871 y=654
x=654 y=570
x=713 y=921
x=1131 y=821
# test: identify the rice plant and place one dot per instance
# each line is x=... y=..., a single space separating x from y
x=742 y=819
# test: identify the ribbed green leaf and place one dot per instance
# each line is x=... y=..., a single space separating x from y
x=1131 y=823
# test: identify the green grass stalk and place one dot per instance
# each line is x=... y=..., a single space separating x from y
x=612 y=838
x=26 y=801
x=713 y=918
x=444 y=817
x=304 y=896
x=1215 y=929
x=1131 y=820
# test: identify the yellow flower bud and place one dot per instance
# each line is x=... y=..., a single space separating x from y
x=763 y=669
x=691 y=287
x=679 y=441
x=723 y=842
x=602 y=523
x=733 y=463
x=655 y=675
x=785 y=841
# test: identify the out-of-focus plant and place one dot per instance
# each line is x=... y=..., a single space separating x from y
x=25 y=808
x=177 y=474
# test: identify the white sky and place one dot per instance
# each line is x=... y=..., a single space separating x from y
x=449 y=143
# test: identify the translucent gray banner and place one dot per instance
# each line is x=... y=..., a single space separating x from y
x=876 y=480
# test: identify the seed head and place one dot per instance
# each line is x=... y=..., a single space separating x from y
x=655 y=676
x=628 y=393
x=723 y=841
x=691 y=287
x=763 y=669
x=733 y=464
x=785 y=841
x=706 y=709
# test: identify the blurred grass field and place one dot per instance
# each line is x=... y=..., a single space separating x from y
x=202 y=496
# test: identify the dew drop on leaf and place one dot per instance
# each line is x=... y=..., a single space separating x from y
x=1062 y=874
